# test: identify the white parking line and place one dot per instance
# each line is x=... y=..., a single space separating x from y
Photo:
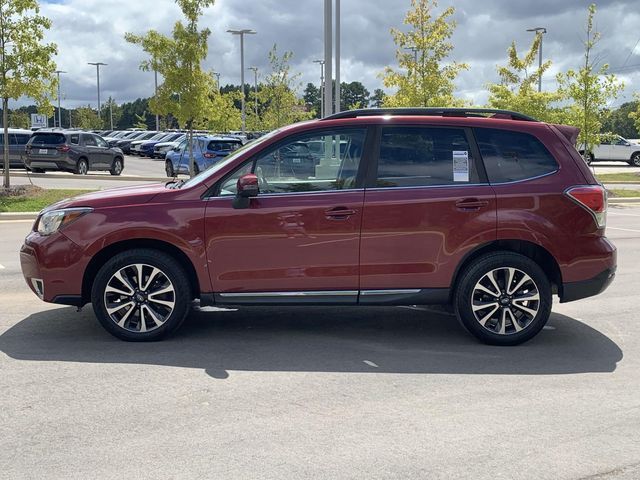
x=623 y=229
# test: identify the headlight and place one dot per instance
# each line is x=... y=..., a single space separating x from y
x=54 y=220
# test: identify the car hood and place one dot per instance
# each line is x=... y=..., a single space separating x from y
x=114 y=197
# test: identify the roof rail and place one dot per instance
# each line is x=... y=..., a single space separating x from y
x=430 y=111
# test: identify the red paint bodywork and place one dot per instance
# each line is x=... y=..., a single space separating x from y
x=391 y=239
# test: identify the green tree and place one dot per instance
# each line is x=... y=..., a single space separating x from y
x=353 y=95
x=141 y=121
x=111 y=109
x=517 y=89
x=86 y=118
x=422 y=79
x=311 y=97
x=378 y=98
x=19 y=119
x=280 y=106
x=185 y=91
x=634 y=115
x=26 y=64
x=590 y=89
x=223 y=115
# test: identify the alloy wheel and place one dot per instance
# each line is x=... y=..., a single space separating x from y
x=505 y=300
x=139 y=298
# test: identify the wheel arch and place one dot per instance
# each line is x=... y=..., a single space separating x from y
x=535 y=252
x=118 y=247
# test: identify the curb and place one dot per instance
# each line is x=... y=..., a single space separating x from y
x=621 y=200
x=85 y=178
x=4 y=216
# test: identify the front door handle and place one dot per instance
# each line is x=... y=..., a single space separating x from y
x=471 y=204
x=339 y=213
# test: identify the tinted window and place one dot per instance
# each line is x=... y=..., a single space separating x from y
x=89 y=141
x=74 y=139
x=510 y=156
x=22 y=138
x=47 y=138
x=294 y=167
x=219 y=146
x=100 y=142
x=423 y=156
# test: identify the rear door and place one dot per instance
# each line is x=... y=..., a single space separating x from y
x=104 y=152
x=427 y=204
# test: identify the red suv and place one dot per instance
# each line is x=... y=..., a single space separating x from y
x=490 y=211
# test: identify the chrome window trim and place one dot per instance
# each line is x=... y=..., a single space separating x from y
x=288 y=194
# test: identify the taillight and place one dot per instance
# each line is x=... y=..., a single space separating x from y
x=209 y=155
x=64 y=148
x=594 y=199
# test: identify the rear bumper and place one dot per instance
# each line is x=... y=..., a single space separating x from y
x=587 y=288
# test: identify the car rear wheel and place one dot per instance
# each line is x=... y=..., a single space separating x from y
x=82 y=168
x=503 y=298
x=168 y=168
x=116 y=167
x=635 y=160
x=141 y=295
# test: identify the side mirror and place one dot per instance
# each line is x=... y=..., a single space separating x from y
x=247 y=188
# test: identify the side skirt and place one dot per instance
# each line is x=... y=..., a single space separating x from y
x=417 y=296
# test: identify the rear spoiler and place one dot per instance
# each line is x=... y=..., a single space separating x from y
x=569 y=132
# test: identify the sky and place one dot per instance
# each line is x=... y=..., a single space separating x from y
x=93 y=30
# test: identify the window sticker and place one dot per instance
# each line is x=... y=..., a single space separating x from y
x=460 y=166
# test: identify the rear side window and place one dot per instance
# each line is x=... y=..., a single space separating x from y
x=74 y=139
x=218 y=146
x=512 y=156
x=47 y=139
x=424 y=156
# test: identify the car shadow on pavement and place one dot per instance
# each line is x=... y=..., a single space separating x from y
x=314 y=339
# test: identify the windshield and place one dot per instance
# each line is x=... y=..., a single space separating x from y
x=227 y=160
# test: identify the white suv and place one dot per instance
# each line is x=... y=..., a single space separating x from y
x=616 y=149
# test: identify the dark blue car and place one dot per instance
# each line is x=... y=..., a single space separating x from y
x=145 y=149
x=207 y=151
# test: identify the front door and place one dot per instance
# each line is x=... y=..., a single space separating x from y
x=299 y=239
x=427 y=204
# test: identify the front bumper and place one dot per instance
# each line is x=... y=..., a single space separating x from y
x=587 y=288
x=53 y=267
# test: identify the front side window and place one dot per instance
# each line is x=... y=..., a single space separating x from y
x=295 y=166
x=89 y=141
x=424 y=156
x=511 y=156
x=101 y=142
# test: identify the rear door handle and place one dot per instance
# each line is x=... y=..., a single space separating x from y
x=339 y=213
x=471 y=204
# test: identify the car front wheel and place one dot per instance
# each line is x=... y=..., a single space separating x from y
x=116 y=167
x=503 y=298
x=141 y=295
x=635 y=160
x=168 y=168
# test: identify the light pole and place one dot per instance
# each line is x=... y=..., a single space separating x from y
x=111 y=112
x=58 y=72
x=337 y=34
x=98 y=65
x=217 y=74
x=242 y=33
x=321 y=62
x=414 y=49
x=539 y=31
x=328 y=57
x=255 y=82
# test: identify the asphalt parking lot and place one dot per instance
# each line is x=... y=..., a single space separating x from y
x=321 y=392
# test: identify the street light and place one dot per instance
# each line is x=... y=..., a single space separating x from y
x=242 y=33
x=541 y=31
x=58 y=72
x=255 y=75
x=98 y=65
x=321 y=62
x=414 y=49
x=155 y=78
x=217 y=74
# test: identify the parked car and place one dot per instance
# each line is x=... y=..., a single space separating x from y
x=77 y=152
x=161 y=149
x=207 y=151
x=492 y=215
x=18 y=138
x=146 y=148
x=125 y=143
x=616 y=149
x=135 y=145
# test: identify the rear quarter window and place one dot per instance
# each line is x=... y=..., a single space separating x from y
x=223 y=146
x=511 y=156
x=47 y=139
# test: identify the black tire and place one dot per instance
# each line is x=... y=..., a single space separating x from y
x=196 y=169
x=82 y=167
x=590 y=159
x=116 y=166
x=517 y=330
x=635 y=160
x=168 y=168
x=170 y=270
